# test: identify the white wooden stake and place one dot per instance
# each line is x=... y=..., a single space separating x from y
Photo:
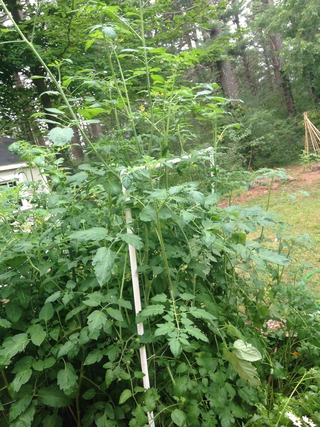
x=137 y=306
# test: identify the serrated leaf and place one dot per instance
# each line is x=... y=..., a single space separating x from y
x=5 y=323
x=273 y=257
x=244 y=369
x=124 y=396
x=109 y=32
x=53 y=297
x=148 y=214
x=132 y=239
x=196 y=333
x=199 y=313
x=47 y=312
x=14 y=345
x=67 y=379
x=246 y=351
x=103 y=263
x=178 y=417
x=52 y=421
x=37 y=334
x=115 y=314
x=20 y=379
x=54 y=397
x=95 y=234
x=25 y=419
x=93 y=357
x=96 y=321
x=19 y=406
x=164 y=329
x=151 y=310
x=175 y=347
x=60 y=136
x=159 y=298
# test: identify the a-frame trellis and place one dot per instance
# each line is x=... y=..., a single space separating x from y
x=312 y=136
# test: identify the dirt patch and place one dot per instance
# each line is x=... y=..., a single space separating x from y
x=297 y=178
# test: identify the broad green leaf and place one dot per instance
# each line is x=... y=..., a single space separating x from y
x=115 y=314
x=52 y=421
x=14 y=345
x=68 y=347
x=13 y=312
x=54 y=111
x=132 y=239
x=244 y=369
x=93 y=357
x=41 y=365
x=109 y=32
x=175 y=346
x=151 y=310
x=19 y=406
x=200 y=313
x=67 y=379
x=124 y=396
x=60 y=136
x=54 y=397
x=95 y=299
x=5 y=323
x=246 y=351
x=159 y=298
x=25 y=419
x=178 y=417
x=20 y=379
x=148 y=214
x=103 y=263
x=96 y=321
x=195 y=332
x=47 y=312
x=37 y=334
x=164 y=329
x=273 y=257
x=53 y=297
x=95 y=234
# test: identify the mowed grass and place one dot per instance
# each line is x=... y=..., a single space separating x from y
x=298 y=204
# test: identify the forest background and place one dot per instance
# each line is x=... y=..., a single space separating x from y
x=117 y=103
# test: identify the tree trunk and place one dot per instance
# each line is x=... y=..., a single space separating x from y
x=227 y=79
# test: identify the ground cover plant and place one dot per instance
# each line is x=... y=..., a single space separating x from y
x=228 y=341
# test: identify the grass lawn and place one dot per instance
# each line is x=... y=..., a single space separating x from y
x=297 y=201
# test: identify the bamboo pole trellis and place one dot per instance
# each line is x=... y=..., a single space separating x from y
x=312 y=136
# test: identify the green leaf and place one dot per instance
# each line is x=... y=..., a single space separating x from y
x=13 y=312
x=151 y=310
x=199 y=313
x=54 y=397
x=20 y=379
x=47 y=312
x=244 y=369
x=175 y=347
x=109 y=32
x=164 y=329
x=52 y=421
x=37 y=334
x=132 y=239
x=53 y=297
x=5 y=323
x=179 y=417
x=124 y=396
x=93 y=357
x=159 y=298
x=246 y=351
x=60 y=136
x=195 y=332
x=41 y=365
x=103 y=263
x=115 y=314
x=19 y=406
x=67 y=379
x=14 y=345
x=273 y=257
x=148 y=214
x=25 y=419
x=95 y=234
x=96 y=321
x=54 y=111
